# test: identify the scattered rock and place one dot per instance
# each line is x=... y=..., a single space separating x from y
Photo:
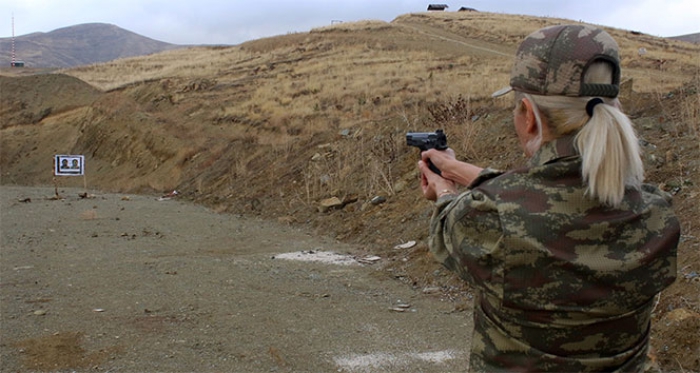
x=406 y=245
x=431 y=289
x=329 y=204
x=378 y=200
x=400 y=307
x=369 y=259
x=692 y=276
x=168 y=196
x=400 y=186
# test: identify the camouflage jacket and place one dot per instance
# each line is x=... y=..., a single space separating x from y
x=566 y=284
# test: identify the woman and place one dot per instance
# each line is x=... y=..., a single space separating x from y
x=568 y=252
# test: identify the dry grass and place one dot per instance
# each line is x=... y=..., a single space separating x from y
x=690 y=108
x=348 y=70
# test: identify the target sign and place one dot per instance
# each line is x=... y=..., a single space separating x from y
x=69 y=165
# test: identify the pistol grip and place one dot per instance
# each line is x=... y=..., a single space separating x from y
x=434 y=168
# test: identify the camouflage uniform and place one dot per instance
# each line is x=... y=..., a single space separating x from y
x=565 y=284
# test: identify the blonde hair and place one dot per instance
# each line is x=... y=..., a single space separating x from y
x=607 y=141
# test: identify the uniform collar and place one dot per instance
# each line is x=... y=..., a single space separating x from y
x=556 y=149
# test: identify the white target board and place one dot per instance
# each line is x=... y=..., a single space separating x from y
x=69 y=165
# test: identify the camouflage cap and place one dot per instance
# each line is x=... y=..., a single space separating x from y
x=552 y=62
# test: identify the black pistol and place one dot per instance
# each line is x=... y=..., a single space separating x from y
x=428 y=140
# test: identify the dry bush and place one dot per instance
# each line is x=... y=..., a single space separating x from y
x=689 y=110
x=384 y=150
x=459 y=120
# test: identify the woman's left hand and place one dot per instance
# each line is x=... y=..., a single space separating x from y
x=433 y=185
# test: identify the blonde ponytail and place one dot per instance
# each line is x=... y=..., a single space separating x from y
x=609 y=148
x=610 y=153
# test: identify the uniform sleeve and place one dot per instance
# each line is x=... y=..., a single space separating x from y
x=466 y=236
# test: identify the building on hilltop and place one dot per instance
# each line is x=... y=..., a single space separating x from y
x=437 y=7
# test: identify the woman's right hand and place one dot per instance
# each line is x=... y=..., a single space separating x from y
x=450 y=168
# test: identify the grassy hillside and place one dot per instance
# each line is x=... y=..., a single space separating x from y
x=274 y=127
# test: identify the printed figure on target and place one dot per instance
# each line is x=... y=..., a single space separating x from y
x=69 y=165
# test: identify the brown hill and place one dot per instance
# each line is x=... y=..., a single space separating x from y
x=29 y=99
x=274 y=127
x=79 y=45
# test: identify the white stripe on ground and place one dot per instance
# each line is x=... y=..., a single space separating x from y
x=383 y=360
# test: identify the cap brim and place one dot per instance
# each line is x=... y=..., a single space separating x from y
x=502 y=92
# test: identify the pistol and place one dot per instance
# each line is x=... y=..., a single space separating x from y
x=428 y=140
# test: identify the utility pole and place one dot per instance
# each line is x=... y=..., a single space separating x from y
x=15 y=62
x=13 y=41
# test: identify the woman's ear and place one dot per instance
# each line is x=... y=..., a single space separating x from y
x=530 y=119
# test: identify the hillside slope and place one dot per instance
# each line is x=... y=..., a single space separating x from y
x=79 y=45
x=282 y=127
x=690 y=38
x=29 y=99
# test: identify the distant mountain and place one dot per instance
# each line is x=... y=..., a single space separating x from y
x=693 y=38
x=79 y=45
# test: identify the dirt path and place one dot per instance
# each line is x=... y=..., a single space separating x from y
x=130 y=283
x=472 y=47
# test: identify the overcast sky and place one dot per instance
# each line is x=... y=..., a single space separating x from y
x=235 y=21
